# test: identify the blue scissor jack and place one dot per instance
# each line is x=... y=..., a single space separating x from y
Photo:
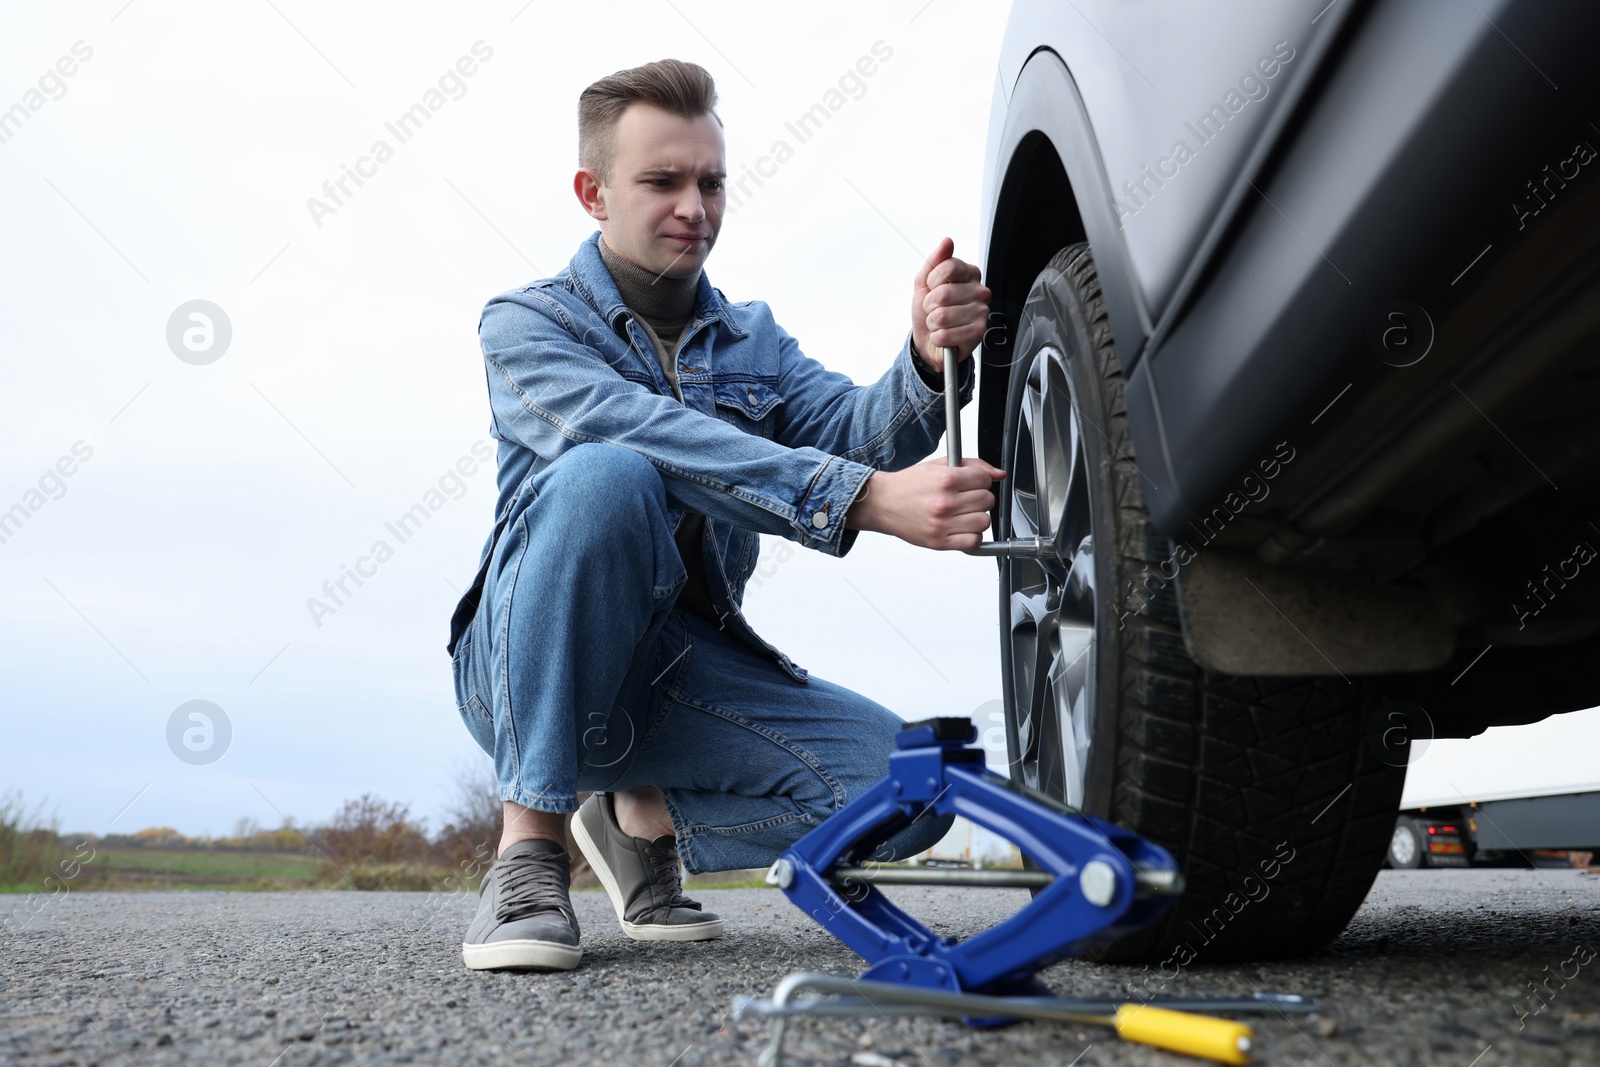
x=1096 y=881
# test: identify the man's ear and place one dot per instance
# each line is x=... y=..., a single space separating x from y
x=591 y=194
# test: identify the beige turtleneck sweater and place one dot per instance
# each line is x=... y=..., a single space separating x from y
x=664 y=307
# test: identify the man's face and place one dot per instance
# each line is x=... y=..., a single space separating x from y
x=662 y=206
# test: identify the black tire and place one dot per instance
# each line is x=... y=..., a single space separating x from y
x=1269 y=792
x=1408 y=849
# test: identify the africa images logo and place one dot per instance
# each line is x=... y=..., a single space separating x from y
x=199 y=732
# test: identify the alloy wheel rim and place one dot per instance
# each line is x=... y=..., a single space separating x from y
x=1051 y=629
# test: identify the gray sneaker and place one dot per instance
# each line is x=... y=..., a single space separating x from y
x=525 y=916
x=642 y=878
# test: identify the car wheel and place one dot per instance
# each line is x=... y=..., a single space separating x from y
x=1407 y=851
x=1268 y=791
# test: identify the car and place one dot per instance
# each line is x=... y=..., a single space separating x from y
x=1294 y=364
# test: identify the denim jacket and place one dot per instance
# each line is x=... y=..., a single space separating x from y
x=766 y=439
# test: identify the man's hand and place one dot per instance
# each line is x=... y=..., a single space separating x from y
x=949 y=307
x=932 y=505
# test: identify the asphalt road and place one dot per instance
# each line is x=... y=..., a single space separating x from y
x=1432 y=971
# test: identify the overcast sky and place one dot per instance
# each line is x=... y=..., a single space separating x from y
x=175 y=163
x=182 y=511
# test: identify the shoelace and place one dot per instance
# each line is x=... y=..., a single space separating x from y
x=666 y=875
x=532 y=884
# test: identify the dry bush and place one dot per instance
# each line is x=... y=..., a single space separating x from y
x=412 y=877
x=29 y=844
x=470 y=840
x=373 y=844
x=471 y=833
x=373 y=831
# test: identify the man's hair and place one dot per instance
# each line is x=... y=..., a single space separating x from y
x=671 y=84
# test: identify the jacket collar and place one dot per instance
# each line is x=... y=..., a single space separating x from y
x=589 y=277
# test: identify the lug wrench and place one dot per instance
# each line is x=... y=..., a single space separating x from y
x=1025 y=547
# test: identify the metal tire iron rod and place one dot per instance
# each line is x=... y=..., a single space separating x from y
x=1026 y=547
x=858 y=997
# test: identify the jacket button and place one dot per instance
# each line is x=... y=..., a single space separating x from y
x=819 y=519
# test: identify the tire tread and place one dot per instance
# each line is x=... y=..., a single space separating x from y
x=1226 y=772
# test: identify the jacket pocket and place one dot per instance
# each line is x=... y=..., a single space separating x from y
x=751 y=405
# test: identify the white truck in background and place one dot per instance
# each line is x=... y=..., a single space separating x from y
x=1513 y=795
x=1559 y=828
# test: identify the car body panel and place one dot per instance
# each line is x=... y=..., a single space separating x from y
x=1365 y=207
x=1428 y=154
x=1145 y=73
x=1269 y=325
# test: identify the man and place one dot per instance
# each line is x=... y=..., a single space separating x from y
x=649 y=431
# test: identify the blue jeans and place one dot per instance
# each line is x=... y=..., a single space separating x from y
x=579 y=672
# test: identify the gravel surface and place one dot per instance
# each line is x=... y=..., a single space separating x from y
x=1433 y=970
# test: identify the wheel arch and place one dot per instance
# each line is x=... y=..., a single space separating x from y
x=1051 y=191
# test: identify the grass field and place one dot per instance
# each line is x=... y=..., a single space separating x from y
x=162 y=868
x=178 y=868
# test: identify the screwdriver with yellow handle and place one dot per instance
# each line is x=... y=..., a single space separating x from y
x=1202 y=1036
x=1205 y=1036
